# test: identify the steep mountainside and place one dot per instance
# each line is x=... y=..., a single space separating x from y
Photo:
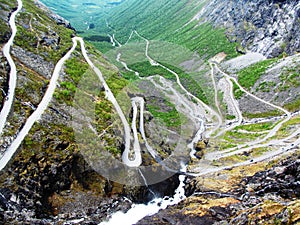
x=210 y=92
x=270 y=27
x=48 y=176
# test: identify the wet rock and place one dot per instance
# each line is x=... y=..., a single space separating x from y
x=200 y=146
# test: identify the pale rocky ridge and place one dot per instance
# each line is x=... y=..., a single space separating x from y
x=269 y=27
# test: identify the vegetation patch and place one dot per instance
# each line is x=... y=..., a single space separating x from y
x=266 y=86
x=247 y=77
x=98 y=38
x=288 y=127
x=259 y=151
x=256 y=127
x=34 y=25
x=230 y=117
x=293 y=106
x=262 y=114
x=189 y=83
x=75 y=67
x=229 y=160
x=104 y=122
x=145 y=69
x=166 y=21
x=289 y=77
x=206 y=40
x=60 y=134
x=164 y=111
x=226 y=144
x=240 y=137
x=238 y=93
x=130 y=76
x=102 y=46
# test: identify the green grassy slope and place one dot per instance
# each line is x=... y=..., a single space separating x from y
x=160 y=20
x=169 y=21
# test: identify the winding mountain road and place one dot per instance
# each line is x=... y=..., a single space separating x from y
x=13 y=70
x=35 y=116
x=276 y=128
x=129 y=157
x=288 y=148
x=250 y=94
x=136 y=159
x=141 y=103
x=233 y=101
x=215 y=89
x=112 y=40
x=194 y=112
x=246 y=147
x=206 y=107
x=239 y=118
x=184 y=106
x=8 y=154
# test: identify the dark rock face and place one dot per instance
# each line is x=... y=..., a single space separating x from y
x=214 y=216
x=35 y=180
x=269 y=27
x=266 y=197
x=282 y=180
x=38 y=190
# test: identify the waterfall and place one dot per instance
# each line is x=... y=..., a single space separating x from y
x=139 y=211
x=146 y=184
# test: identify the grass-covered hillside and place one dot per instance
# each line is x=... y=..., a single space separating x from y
x=170 y=21
x=160 y=20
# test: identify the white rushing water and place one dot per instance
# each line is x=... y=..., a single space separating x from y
x=139 y=211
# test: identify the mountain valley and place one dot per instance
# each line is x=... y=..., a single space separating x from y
x=181 y=112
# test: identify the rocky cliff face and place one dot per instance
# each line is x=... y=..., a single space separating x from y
x=256 y=194
x=270 y=27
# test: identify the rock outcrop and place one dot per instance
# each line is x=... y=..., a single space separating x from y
x=269 y=27
x=267 y=197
